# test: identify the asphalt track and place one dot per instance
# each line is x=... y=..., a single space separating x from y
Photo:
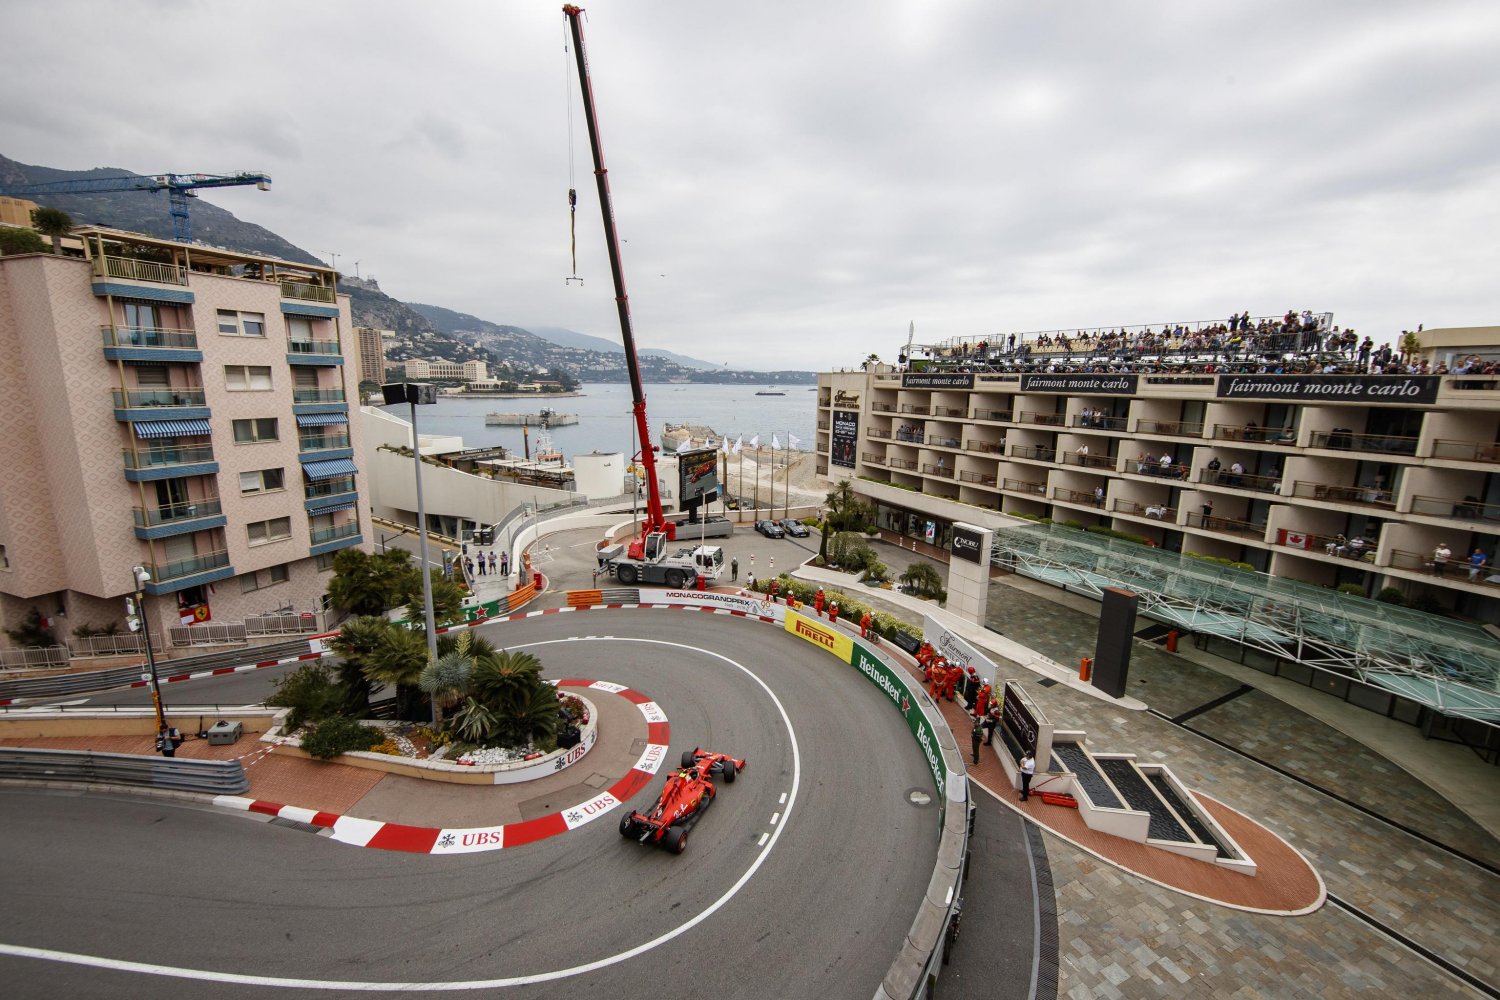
x=849 y=856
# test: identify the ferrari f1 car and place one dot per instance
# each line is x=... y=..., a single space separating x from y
x=683 y=801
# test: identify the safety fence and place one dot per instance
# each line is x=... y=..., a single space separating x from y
x=211 y=777
x=33 y=658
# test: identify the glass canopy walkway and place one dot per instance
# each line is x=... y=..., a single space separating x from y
x=1450 y=666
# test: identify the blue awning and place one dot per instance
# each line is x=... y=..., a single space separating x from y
x=170 y=428
x=330 y=469
x=335 y=509
x=321 y=419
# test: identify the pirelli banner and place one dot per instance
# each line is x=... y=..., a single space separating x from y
x=892 y=684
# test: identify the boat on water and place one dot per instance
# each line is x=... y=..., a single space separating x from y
x=770 y=390
x=547 y=417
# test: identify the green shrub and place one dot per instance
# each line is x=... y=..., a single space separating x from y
x=311 y=692
x=89 y=630
x=923 y=580
x=1426 y=602
x=1390 y=595
x=339 y=734
x=1351 y=588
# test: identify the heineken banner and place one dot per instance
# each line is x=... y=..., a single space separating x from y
x=889 y=681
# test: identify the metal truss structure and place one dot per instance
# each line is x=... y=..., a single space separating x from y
x=1451 y=667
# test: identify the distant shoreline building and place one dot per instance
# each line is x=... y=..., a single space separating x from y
x=370 y=348
x=418 y=369
x=177 y=407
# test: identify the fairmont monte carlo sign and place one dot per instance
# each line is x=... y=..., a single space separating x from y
x=1331 y=388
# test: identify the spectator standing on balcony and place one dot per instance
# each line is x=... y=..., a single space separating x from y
x=1440 y=557
x=1213 y=467
x=1236 y=474
x=1098 y=496
x=1357 y=547
x=1208 y=513
x=1478 y=562
x=1166 y=463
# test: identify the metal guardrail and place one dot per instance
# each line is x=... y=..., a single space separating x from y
x=33 y=658
x=210 y=777
x=103 y=680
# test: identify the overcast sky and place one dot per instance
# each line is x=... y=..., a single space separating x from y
x=797 y=181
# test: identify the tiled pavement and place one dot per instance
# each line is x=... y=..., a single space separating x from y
x=1121 y=936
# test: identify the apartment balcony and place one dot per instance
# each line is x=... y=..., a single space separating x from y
x=1033 y=453
x=321 y=447
x=1466 y=451
x=179 y=518
x=883 y=407
x=1169 y=428
x=919 y=409
x=1243 y=481
x=1099 y=423
x=1251 y=434
x=1003 y=416
x=340 y=536
x=1468 y=509
x=872 y=432
x=306 y=292
x=313 y=352
x=136 y=343
x=1363 y=496
x=1023 y=486
x=206 y=567
x=160 y=404
x=330 y=495
x=985 y=447
x=1227 y=525
x=1042 y=419
x=170 y=463
x=870 y=458
x=141 y=279
x=1379 y=444
x=976 y=477
x=901 y=463
x=319 y=401
x=1153 y=511
x=937 y=470
x=1085 y=498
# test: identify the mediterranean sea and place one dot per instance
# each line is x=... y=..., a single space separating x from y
x=605 y=422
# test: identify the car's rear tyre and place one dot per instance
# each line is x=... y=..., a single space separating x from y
x=675 y=839
x=687 y=758
x=726 y=771
x=675 y=579
x=628 y=827
x=626 y=574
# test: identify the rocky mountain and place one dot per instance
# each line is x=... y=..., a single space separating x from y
x=572 y=338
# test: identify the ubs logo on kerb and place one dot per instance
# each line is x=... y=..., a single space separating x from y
x=967 y=544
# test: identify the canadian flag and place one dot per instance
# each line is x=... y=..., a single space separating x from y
x=1298 y=540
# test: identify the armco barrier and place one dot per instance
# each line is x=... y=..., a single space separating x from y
x=210 y=777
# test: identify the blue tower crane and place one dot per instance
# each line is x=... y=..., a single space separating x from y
x=179 y=188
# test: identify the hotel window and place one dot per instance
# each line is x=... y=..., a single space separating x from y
x=241 y=324
x=5 y=559
x=274 y=530
x=324 y=562
x=260 y=481
x=140 y=315
x=259 y=429
x=241 y=377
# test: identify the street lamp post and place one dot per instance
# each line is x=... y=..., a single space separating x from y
x=414 y=393
x=137 y=613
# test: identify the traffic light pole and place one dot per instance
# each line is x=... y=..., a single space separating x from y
x=164 y=744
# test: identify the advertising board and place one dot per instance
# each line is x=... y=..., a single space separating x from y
x=697 y=477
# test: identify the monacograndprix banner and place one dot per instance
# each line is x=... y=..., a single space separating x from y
x=729 y=602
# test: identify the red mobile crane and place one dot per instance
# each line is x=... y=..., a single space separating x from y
x=647 y=560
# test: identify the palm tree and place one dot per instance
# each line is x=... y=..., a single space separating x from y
x=53 y=223
x=444 y=680
x=529 y=714
x=504 y=674
x=873 y=359
x=447 y=602
x=355 y=644
x=398 y=661
x=475 y=723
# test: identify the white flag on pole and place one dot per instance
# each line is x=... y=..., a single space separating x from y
x=737 y=443
x=775 y=443
x=755 y=441
x=792 y=440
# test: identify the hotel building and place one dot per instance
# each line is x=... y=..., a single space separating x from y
x=1328 y=479
x=177 y=407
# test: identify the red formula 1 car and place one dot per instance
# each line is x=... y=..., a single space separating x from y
x=683 y=801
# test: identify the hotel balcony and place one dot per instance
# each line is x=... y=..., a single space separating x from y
x=1243 y=481
x=134 y=343
x=870 y=458
x=1169 y=428
x=950 y=411
x=937 y=470
x=976 y=477
x=944 y=442
x=1466 y=451
x=160 y=404
x=1033 y=453
x=1105 y=462
x=878 y=434
x=179 y=518
x=1084 y=498
x=985 y=447
x=823 y=425
x=883 y=407
x=314 y=352
x=1251 y=434
x=1468 y=509
x=206 y=567
x=910 y=437
x=1379 y=444
x=1023 y=486
x=920 y=409
x=1326 y=547
x=1151 y=511
x=1363 y=496
x=319 y=401
x=1226 y=525
x=1002 y=416
x=170 y=463
x=1098 y=423
x=901 y=463
x=1043 y=419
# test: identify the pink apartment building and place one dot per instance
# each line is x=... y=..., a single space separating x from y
x=177 y=407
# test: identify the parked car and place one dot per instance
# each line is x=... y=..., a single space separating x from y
x=770 y=529
x=713 y=526
x=794 y=527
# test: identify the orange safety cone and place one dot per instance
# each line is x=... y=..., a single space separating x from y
x=1172 y=641
x=1085 y=668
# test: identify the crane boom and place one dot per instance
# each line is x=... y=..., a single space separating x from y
x=179 y=188
x=655 y=520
